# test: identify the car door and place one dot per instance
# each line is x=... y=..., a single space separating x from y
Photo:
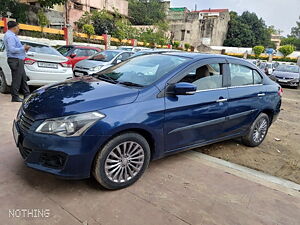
x=191 y=120
x=3 y=63
x=245 y=101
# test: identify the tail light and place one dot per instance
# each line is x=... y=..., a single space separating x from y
x=29 y=61
x=280 y=91
x=66 y=64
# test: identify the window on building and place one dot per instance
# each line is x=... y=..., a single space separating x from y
x=188 y=31
x=182 y=35
x=206 y=77
x=78 y=6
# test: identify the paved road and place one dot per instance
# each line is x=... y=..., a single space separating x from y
x=181 y=189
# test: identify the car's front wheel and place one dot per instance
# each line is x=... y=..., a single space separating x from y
x=122 y=161
x=257 y=131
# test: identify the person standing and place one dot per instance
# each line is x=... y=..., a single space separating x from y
x=16 y=53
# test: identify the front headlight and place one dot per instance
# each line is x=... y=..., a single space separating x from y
x=96 y=68
x=68 y=126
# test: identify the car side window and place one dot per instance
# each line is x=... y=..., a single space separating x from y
x=206 y=77
x=91 y=52
x=124 y=56
x=257 y=77
x=80 y=52
x=240 y=75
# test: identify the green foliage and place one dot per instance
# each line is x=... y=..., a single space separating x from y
x=146 y=12
x=42 y=18
x=88 y=29
x=187 y=46
x=258 y=50
x=291 y=41
x=102 y=21
x=124 y=30
x=156 y=35
x=247 y=30
x=287 y=49
x=51 y=3
x=296 y=30
x=18 y=10
x=176 y=44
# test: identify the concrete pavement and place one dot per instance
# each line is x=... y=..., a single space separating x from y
x=181 y=189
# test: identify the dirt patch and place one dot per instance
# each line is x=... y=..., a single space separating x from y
x=279 y=154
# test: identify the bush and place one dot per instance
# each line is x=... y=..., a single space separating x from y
x=88 y=29
x=258 y=50
x=187 y=46
x=287 y=49
x=176 y=44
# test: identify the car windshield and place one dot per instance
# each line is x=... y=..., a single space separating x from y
x=44 y=49
x=65 y=50
x=143 y=70
x=104 y=56
x=288 y=68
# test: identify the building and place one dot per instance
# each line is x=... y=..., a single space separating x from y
x=205 y=27
x=74 y=9
x=276 y=38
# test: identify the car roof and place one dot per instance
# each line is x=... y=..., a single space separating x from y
x=81 y=46
x=36 y=43
x=194 y=55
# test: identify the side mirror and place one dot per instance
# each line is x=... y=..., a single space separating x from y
x=182 y=88
x=73 y=55
x=118 y=61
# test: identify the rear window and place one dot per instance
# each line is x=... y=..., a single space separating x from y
x=43 y=49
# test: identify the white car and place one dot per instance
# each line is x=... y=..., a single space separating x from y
x=100 y=61
x=43 y=65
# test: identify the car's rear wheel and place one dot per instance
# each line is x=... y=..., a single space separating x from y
x=4 y=88
x=257 y=131
x=122 y=161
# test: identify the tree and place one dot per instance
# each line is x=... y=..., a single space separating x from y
x=146 y=12
x=51 y=3
x=258 y=50
x=287 y=49
x=18 y=10
x=247 y=30
x=291 y=41
x=295 y=32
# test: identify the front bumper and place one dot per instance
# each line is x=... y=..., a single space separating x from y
x=70 y=158
x=291 y=83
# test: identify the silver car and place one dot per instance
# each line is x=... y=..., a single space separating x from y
x=100 y=62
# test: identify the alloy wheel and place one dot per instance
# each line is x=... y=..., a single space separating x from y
x=260 y=130
x=124 y=162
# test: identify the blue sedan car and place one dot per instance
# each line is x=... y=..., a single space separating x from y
x=112 y=124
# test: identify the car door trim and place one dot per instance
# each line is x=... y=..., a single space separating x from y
x=238 y=115
x=199 y=125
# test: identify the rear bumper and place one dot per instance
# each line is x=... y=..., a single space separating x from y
x=42 y=78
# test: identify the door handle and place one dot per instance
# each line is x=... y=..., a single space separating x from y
x=222 y=100
x=261 y=94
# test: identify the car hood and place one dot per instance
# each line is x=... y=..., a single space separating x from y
x=286 y=74
x=90 y=63
x=77 y=95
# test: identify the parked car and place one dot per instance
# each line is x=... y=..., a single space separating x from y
x=133 y=49
x=288 y=75
x=267 y=67
x=43 y=65
x=77 y=53
x=100 y=62
x=112 y=124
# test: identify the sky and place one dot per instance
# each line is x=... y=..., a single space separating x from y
x=283 y=14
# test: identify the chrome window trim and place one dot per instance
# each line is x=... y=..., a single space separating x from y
x=249 y=85
x=211 y=89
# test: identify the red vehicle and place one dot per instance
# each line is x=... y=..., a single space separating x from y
x=77 y=53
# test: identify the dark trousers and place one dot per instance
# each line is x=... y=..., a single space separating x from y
x=18 y=77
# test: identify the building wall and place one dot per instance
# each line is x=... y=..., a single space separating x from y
x=198 y=28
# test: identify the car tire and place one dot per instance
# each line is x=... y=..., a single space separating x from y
x=4 y=88
x=257 y=131
x=122 y=161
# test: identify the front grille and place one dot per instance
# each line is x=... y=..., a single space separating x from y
x=83 y=72
x=24 y=152
x=25 y=121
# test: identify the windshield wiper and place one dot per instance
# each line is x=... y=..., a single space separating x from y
x=106 y=78
x=128 y=83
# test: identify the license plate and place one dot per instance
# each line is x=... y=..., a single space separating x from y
x=78 y=74
x=48 y=65
x=283 y=81
x=16 y=133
